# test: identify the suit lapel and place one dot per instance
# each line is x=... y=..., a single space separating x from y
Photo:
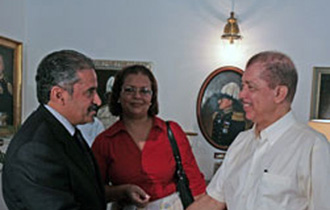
x=72 y=150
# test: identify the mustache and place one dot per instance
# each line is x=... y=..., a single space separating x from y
x=93 y=107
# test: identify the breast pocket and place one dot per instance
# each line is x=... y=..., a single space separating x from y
x=275 y=191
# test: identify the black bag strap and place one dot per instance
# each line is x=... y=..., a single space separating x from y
x=176 y=152
x=185 y=194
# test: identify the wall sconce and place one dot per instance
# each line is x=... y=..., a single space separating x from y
x=322 y=126
x=231 y=30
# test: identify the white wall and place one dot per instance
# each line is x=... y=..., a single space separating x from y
x=182 y=39
x=12 y=15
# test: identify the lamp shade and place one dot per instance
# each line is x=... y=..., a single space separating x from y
x=322 y=126
x=231 y=30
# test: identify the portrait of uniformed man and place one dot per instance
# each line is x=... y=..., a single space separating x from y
x=229 y=119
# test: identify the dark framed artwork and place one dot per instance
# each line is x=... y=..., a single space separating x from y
x=220 y=113
x=10 y=85
x=320 y=102
x=108 y=68
x=106 y=71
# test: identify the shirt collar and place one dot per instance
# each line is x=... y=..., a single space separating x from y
x=120 y=127
x=273 y=132
x=68 y=126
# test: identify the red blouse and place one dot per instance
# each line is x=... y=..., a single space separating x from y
x=122 y=162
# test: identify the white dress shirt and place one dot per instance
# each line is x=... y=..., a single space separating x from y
x=91 y=130
x=286 y=168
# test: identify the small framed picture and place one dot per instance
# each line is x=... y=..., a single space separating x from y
x=220 y=113
x=320 y=102
x=10 y=85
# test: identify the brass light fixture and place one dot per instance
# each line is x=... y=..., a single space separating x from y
x=231 y=30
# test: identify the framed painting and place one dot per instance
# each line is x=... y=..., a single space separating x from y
x=320 y=100
x=220 y=113
x=10 y=85
x=106 y=71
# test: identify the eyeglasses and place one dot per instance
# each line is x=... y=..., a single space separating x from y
x=144 y=91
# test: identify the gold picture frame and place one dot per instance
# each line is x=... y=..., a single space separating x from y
x=11 y=85
x=208 y=106
x=320 y=99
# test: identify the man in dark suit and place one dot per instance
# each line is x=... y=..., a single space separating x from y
x=48 y=165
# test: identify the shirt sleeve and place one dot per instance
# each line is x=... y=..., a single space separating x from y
x=215 y=187
x=99 y=128
x=320 y=176
x=194 y=175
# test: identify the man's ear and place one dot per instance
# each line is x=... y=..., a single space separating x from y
x=56 y=95
x=281 y=91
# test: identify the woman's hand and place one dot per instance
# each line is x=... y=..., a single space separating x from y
x=136 y=195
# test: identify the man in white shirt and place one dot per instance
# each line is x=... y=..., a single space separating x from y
x=91 y=130
x=279 y=163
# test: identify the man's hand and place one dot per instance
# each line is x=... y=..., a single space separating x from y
x=207 y=202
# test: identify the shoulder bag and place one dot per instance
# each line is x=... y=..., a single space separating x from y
x=182 y=184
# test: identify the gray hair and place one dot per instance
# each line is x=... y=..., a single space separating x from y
x=60 y=69
x=278 y=69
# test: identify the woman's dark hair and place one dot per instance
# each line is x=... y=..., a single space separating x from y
x=114 y=105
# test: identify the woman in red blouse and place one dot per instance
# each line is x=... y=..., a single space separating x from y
x=135 y=154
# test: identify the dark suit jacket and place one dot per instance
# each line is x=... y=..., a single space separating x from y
x=45 y=169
